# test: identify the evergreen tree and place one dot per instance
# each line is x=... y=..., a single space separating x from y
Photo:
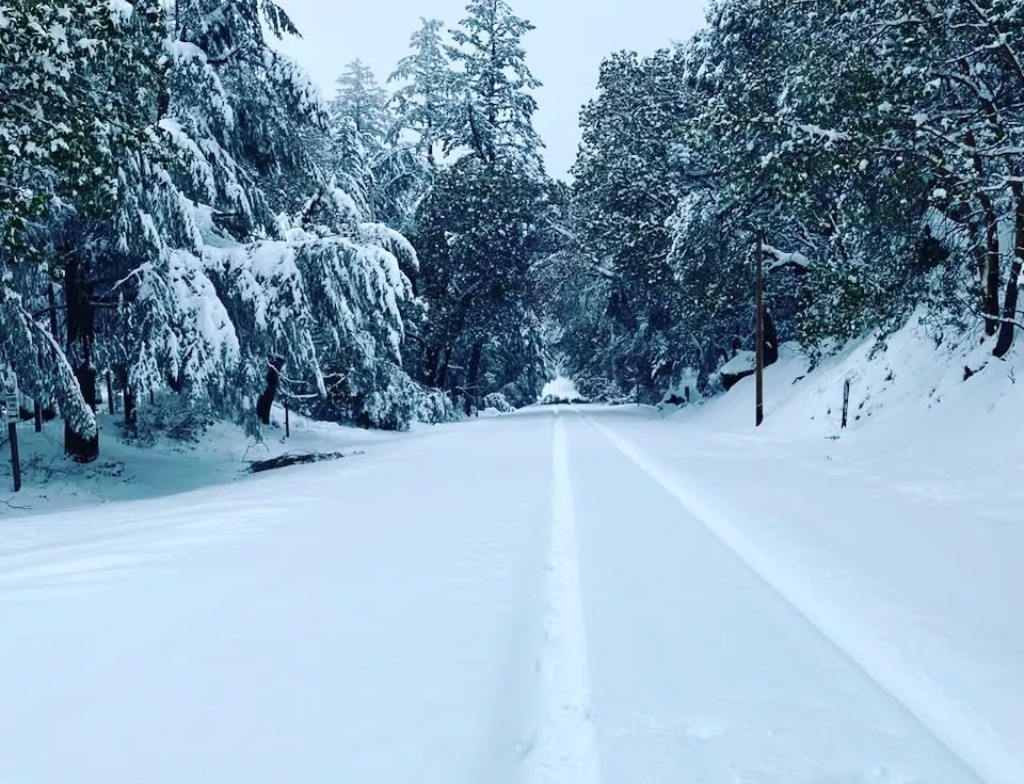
x=478 y=237
x=382 y=172
x=167 y=217
x=424 y=102
x=493 y=115
x=630 y=170
x=87 y=79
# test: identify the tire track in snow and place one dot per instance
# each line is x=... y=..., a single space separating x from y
x=565 y=744
x=976 y=746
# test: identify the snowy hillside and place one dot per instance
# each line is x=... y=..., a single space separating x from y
x=906 y=386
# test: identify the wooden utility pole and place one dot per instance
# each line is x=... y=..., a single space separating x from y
x=759 y=328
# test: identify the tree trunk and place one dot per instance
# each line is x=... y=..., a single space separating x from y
x=991 y=305
x=433 y=358
x=81 y=328
x=266 y=401
x=131 y=418
x=129 y=401
x=473 y=376
x=442 y=374
x=49 y=411
x=1008 y=326
x=771 y=340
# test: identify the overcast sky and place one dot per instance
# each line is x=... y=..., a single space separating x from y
x=564 y=52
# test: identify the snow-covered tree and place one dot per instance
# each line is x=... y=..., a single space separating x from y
x=494 y=105
x=478 y=236
x=83 y=88
x=630 y=170
x=424 y=101
x=167 y=217
x=384 y=173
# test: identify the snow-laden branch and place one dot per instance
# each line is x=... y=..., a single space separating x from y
x=783 y=259
x=824 y=133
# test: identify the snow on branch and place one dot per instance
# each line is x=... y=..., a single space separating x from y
x=824 y=133
x=782 y=259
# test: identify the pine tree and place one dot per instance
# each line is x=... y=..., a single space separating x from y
x=493 y=117
x=424 y=103
x=382 y=172
x=478 y=238
x=90 y=76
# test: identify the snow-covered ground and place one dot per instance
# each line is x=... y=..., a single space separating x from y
x=567 y=594
x=129 y=472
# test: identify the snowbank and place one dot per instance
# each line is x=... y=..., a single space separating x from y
x=899 y=536
x=129 y=472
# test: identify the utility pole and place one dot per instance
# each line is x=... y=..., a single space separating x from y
x=759 y=328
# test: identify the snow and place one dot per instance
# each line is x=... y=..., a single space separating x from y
x=564 y=594
x=560 y=388
x=831 y=136
x=120 y=10
x=743 y=362
x=782 y=258
x=134 y=472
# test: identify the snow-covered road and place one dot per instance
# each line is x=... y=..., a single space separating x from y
x=523 y=599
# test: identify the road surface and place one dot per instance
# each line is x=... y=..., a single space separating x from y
x=521 y=599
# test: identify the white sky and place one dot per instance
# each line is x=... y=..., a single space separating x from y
x=564 y=52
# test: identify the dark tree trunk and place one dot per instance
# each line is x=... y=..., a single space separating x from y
x=441 y=380
x=433 y=357
x=974 y=230
x=1008 y=326
x=266 y=401
x=131 y=417
x=110 y=392
x=771 y=340
x=81 y=329
x=52 y=296
x=991 y=304
x=49 y=414
x=472 y=377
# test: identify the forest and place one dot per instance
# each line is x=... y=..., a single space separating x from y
x=182 y=212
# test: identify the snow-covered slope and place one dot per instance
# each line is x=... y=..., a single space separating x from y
x=909 y=385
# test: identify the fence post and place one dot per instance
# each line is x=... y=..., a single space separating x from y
x=13 y=413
